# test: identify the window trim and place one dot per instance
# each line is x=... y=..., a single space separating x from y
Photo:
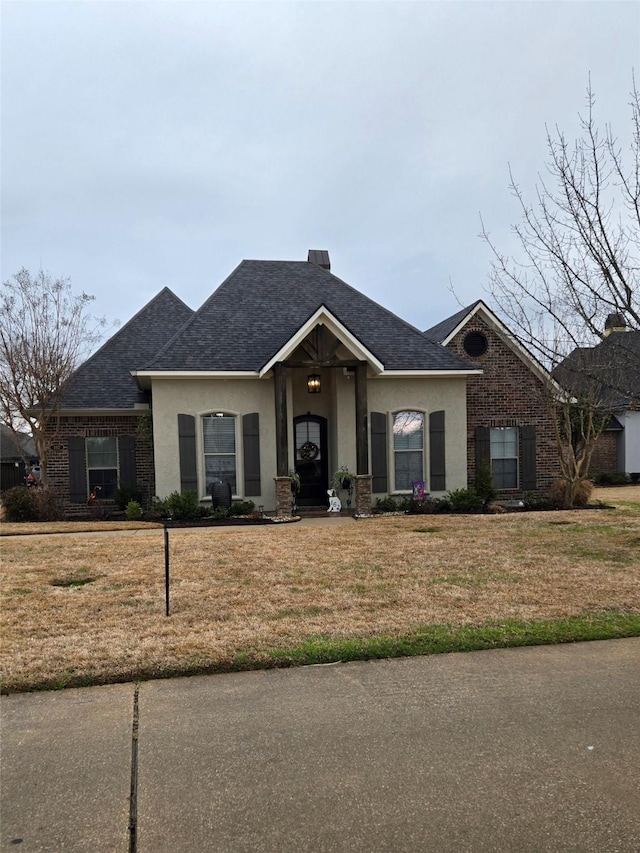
x=392 y=449
x=202 y=462
x=89 y=468
x=516 y=457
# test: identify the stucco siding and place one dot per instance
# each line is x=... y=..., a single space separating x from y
x=199 y=397
x=428 y=395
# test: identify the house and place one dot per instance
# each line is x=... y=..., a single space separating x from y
x=508 y=425
x=609 y=373
x=13 y=470
x=286 y=367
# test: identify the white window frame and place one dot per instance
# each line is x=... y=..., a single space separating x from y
x=493 y=430
x=225 y=413
x=392 y=448
x=89 y=468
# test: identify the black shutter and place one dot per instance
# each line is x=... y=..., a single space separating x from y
x=528 y=477
x=437 y=469
x=77 y=470
x=187 y=444
x=251 y=454
x=483 y=447
x=127 y=460
x=379 y=481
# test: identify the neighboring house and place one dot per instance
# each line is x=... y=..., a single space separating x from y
x=12 y=458
x=609 y=374
x=508 y=425
x=286 y=367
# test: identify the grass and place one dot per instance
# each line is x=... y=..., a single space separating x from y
x=91 y=609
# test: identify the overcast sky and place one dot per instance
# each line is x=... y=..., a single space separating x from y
x=160 y=143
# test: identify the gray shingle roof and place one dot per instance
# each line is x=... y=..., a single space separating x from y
x=442 y=330
x=9 y=449
x=262 y=305
x=104 y=380
x=610 y=370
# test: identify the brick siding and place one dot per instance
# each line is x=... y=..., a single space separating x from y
x=94 y=427
x=507 y=394
x=605 y=454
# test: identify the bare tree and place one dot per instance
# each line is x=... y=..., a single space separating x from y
x=577 y=270
x=45 y=332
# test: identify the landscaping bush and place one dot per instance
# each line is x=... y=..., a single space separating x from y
x=242 y=508
x=532 y=500
x=429 y=506
x=387 y=504
x=611 y=478
x=30 y=504
x=465 y=500
x=483 y=486
x=133 y=511
x=558 y=493
x=126 y=494
x=183 y=506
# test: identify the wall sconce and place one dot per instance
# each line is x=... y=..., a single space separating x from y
x=313 y=383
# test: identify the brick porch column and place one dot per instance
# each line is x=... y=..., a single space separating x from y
x=363 y=494
x=283 y=495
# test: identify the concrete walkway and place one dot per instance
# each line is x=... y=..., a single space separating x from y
x=534 y=749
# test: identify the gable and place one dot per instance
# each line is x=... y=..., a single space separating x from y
x=477 y=318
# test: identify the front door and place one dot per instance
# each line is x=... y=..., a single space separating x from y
x=310 y=436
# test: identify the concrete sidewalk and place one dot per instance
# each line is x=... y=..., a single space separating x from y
x=534 y=749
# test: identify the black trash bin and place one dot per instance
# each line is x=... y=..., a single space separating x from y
x=220 y=495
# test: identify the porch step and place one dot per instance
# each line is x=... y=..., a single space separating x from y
x=319 y=511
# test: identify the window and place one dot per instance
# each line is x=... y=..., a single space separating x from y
x=475 y=344
x=504 y=457
x=408 y=449
x=219 y=438
x=102 y=466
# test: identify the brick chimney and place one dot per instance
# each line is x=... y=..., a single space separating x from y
x=320 y=257
x=614 y=323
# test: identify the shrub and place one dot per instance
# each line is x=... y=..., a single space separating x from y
x=387 y=504
x=133 y=511
x=242 y=508
x=30 y=504
x=18 y=504
x=611 y=478
x=559 y=498
x=427 y=506
x=183 y=506
x=635 y=477
x=126 y=494
x=532 y=500
x=483 y=486
x=465 y=500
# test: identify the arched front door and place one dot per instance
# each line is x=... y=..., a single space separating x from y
x=310 y=438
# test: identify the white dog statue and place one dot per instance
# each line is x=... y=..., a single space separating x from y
x=335 y=504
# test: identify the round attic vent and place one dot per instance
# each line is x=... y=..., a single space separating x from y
x=475 y=344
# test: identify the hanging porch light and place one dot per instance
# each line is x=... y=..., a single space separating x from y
x=313 y=383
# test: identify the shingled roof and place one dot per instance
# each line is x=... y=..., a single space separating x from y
x=104 y=381
x=441 y=331
x=263 y=304
x=610 y=370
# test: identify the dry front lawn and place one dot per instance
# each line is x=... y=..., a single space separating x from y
x=90 y=608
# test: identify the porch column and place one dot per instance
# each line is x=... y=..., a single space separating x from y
x=362 y=435
x=282 y=438
x=363 y=478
